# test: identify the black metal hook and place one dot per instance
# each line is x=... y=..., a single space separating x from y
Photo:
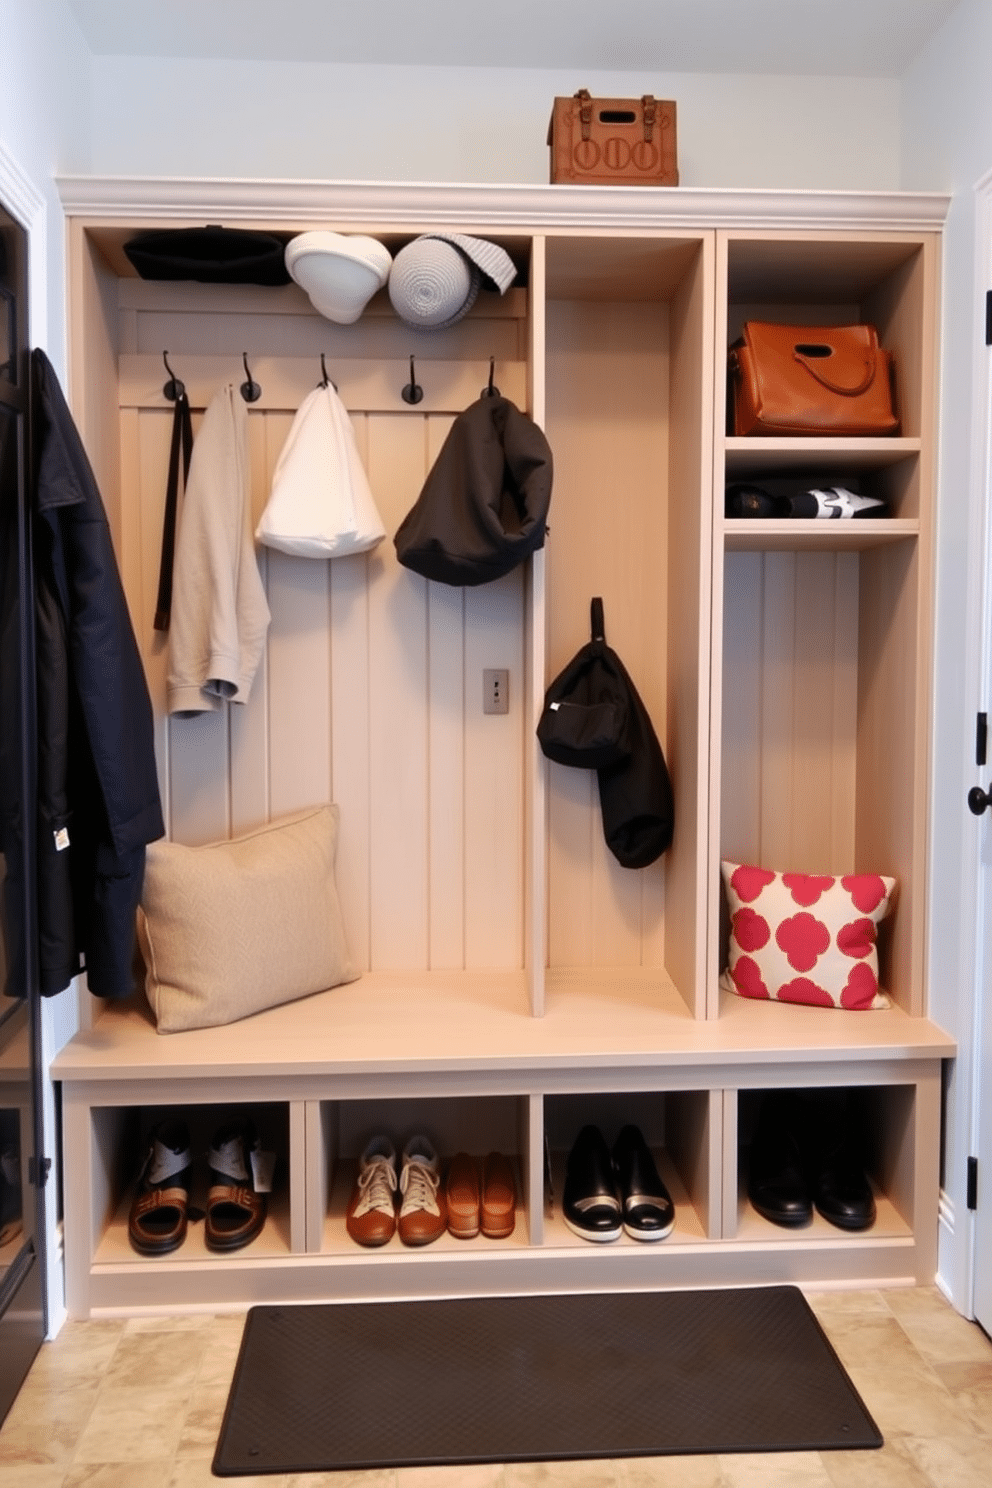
x=173 y=389
x=491 y=390
x=413 y=392
x=250 y=391
x=325 y=381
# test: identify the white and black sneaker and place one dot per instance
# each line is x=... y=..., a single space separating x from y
x=835 y=503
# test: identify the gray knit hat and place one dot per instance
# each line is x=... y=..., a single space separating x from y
x=435 y=279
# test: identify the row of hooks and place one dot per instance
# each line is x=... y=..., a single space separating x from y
x=251 y=391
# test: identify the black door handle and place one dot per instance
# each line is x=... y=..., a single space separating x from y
x=978 y=800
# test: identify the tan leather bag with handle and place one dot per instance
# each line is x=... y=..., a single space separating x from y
x=789 y=379
x=613 y=141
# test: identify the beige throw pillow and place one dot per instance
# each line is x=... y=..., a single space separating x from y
x=234 y=927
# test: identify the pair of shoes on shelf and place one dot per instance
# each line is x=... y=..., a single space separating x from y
x=372 y=1218
x=808 y=1154
x=481 y=1197
x=239 y=1181
x=607 y=1195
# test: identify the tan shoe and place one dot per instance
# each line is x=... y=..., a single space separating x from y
x=371 y=1216
x=462 y=1196
x=499 y=1197
x=423 y=1212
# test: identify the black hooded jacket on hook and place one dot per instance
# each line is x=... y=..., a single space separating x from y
x=98 y=796
x=484 y=505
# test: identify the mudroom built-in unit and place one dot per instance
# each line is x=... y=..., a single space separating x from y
x=517 y=982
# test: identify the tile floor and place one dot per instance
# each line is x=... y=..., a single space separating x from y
x=138 y=1403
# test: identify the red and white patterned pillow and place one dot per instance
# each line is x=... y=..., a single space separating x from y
x=805 y=937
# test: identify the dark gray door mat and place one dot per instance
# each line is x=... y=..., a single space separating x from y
x=522 y=1379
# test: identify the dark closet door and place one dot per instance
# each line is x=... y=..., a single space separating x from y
x=22 y=1320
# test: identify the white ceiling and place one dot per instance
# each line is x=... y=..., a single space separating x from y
x=847 y=38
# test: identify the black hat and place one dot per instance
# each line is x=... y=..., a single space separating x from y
x=594 y=718
x=484 y=504
x=212 y=255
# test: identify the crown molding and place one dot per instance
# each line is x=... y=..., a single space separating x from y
x=413 y=204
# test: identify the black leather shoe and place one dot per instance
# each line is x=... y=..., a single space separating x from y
x=648 y=1211
x=777 y=1185
x=590 y=1204
x=841 y=1190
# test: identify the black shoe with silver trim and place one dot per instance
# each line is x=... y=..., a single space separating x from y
x=648 y=1211
x=590 y=1203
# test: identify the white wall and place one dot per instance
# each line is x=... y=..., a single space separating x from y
x=947 y=144
x=44 y=128
x=153 y=117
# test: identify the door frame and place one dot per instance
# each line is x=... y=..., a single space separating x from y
x=23 y=201
x=976 y=1075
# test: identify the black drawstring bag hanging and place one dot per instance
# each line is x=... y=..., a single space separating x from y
x=584 y=722
x=593 y=718
x=182 y=435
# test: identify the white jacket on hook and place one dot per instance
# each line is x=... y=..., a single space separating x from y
x=220 y=614
x=321 y=505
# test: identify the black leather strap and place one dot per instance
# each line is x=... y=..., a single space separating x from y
x=182 y=435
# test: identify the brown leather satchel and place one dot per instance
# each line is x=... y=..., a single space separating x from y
x=811 y=380
x=613 y=141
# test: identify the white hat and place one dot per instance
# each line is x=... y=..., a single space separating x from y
x=339 y=273
x=435 y=279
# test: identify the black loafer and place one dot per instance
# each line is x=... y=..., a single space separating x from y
x=777 y=1185
x=590 y=1204
x=648 y=1211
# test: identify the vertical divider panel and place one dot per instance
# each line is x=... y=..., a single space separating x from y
x=532 y=1154
x=729 y=1100
x=298 y=1177
x=535 y=665
x=691 y=507
x=317 y=1165
x=720 y=627
x=87 y=1198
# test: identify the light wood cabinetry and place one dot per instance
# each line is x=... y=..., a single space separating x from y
x=517 y=982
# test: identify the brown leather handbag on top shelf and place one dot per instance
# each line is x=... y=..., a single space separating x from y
x=811 y=380
x=613 y=141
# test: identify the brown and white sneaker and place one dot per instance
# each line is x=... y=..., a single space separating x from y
x=499 y=1197
x=371 y=1216
x=462 y=1196
x=423 y=1211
